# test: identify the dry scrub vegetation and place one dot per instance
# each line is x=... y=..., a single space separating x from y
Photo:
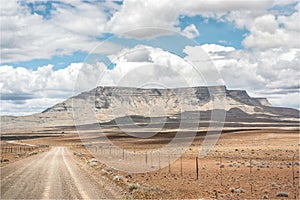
x=245 y=164
x=11 y=152
x=260 y=164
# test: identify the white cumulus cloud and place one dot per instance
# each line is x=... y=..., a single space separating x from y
x=25 y=91
x=272 y=73
x=71 y=27
x=268 y=67
x=191 y=31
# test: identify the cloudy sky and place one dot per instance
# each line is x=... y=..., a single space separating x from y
x=51 y=50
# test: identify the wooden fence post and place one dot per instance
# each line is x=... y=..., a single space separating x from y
x=197 y=169
x=169 y=165
x=181 y=165
x=221 y=171
x=251 y=188
x=293 y=173
x=159 y=160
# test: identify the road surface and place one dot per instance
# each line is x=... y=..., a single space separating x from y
x=50 y=175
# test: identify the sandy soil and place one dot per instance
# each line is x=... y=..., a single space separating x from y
x=273 y=155
x=50 y=175
x=245 y=164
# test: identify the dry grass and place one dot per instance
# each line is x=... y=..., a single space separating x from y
x=254 y=164
x=251 y=163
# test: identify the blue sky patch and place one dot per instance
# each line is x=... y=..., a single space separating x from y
x=286 y=10
x=58 y=62
x=216 y=32
x=41 y=8
x=172 y=43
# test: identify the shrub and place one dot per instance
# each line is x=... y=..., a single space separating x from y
x=133 y=186
x=282 y=194
x=273 y=184
x=265 y=197
x=240 y=190
x=118 y=178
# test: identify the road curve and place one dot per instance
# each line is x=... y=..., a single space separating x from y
x=50 y=175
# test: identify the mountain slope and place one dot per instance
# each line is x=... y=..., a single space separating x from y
x=138 y=101
x=107 y=103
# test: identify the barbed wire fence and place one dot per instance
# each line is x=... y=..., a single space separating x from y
x=223 y=168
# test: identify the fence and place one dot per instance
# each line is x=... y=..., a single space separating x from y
x=250 y=170
x=19 y=148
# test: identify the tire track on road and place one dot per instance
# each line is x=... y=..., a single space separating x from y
x=76 y=181
x=50 y=175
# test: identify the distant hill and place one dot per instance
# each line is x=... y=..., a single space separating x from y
x=107 y=103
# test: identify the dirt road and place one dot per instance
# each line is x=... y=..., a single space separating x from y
x=50 y=175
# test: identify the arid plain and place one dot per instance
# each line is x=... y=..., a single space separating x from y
x=255 y=157
x=257 y=163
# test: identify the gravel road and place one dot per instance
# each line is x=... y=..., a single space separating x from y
x=50 y=175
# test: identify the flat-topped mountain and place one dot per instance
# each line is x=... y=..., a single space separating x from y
x=139 y=101
x=107 y=103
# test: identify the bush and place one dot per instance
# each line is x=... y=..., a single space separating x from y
x=240 y=190
x=110 y=169
x=282 y=194
x=265 y=197
x=118 y=178
x=133 y=186
x=273 y=184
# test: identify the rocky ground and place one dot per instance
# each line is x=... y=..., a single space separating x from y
x=260 y=163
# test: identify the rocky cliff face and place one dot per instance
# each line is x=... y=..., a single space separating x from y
x=138 y=101
x=107 y=103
